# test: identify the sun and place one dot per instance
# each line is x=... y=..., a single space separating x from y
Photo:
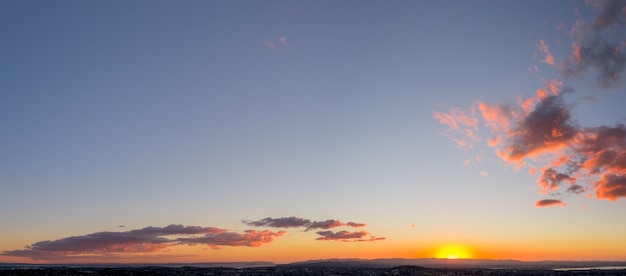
x=453 y=252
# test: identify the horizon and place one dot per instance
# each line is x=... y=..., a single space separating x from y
x=284 y=131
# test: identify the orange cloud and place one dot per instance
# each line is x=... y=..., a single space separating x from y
x=611 y=187
x=549 y=202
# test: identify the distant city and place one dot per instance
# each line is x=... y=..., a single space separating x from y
x=331 y=267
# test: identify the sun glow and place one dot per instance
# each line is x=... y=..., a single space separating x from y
x=453 y=252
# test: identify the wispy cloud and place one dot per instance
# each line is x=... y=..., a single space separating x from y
x=462 y=127
x=281 y=41
x=269 y=44
x=148 y=239
x=543 y=47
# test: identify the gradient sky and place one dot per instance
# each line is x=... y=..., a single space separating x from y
x=202 y=131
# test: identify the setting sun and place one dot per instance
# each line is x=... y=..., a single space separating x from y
x=453 y=252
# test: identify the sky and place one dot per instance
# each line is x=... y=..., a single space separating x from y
x=214 y=131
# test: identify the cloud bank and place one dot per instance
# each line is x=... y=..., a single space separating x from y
x=148 y=239
x=540 y=129
x=155 y=239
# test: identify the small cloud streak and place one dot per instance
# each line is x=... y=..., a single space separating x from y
x=285 y=222
x=549 y=203
x=270 y=43
x=346 y=236
x=145 y=240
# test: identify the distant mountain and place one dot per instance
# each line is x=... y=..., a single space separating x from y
x=452 y=263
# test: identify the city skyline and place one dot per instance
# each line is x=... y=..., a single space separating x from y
x=284 y=131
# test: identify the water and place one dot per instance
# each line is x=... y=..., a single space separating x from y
x=590 y=268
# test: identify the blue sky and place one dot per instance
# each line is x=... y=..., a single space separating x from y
x=150 y=113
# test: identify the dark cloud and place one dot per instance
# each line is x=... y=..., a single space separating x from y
x=347 y=236
x=611 y=186
x=355 y=224
x=250 y=238
x=284 y=222
x=601 y=46
x=576 y=189
x=549 y=202
x=611 y=13
x=602 y=149
x=551 y=180
x=327 y=224
x=148 y=239
x=288 y=222
x=546 y=128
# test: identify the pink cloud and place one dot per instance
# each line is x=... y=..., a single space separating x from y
x=543 y=47
x=549 y=202
x=283 y=41
x=460 y=125
x=269 y=44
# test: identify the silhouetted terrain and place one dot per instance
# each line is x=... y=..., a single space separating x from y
x=329 y=267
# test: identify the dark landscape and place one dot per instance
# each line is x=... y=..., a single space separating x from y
x=425 y=266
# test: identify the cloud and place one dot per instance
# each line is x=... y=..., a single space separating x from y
x=549 y=59
x=269 y=44
x=549 y=202
x=346 y=236
x=250 y=238
x=284 y=222
x=283 y=41
x=599 y=47
x=611 y=186
x=540 y=132
x=545 y=129
x=551 y=180
x=463 y=126
x=148 y=239
x=287 y=222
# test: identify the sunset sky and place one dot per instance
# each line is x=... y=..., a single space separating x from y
x=212 y=131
